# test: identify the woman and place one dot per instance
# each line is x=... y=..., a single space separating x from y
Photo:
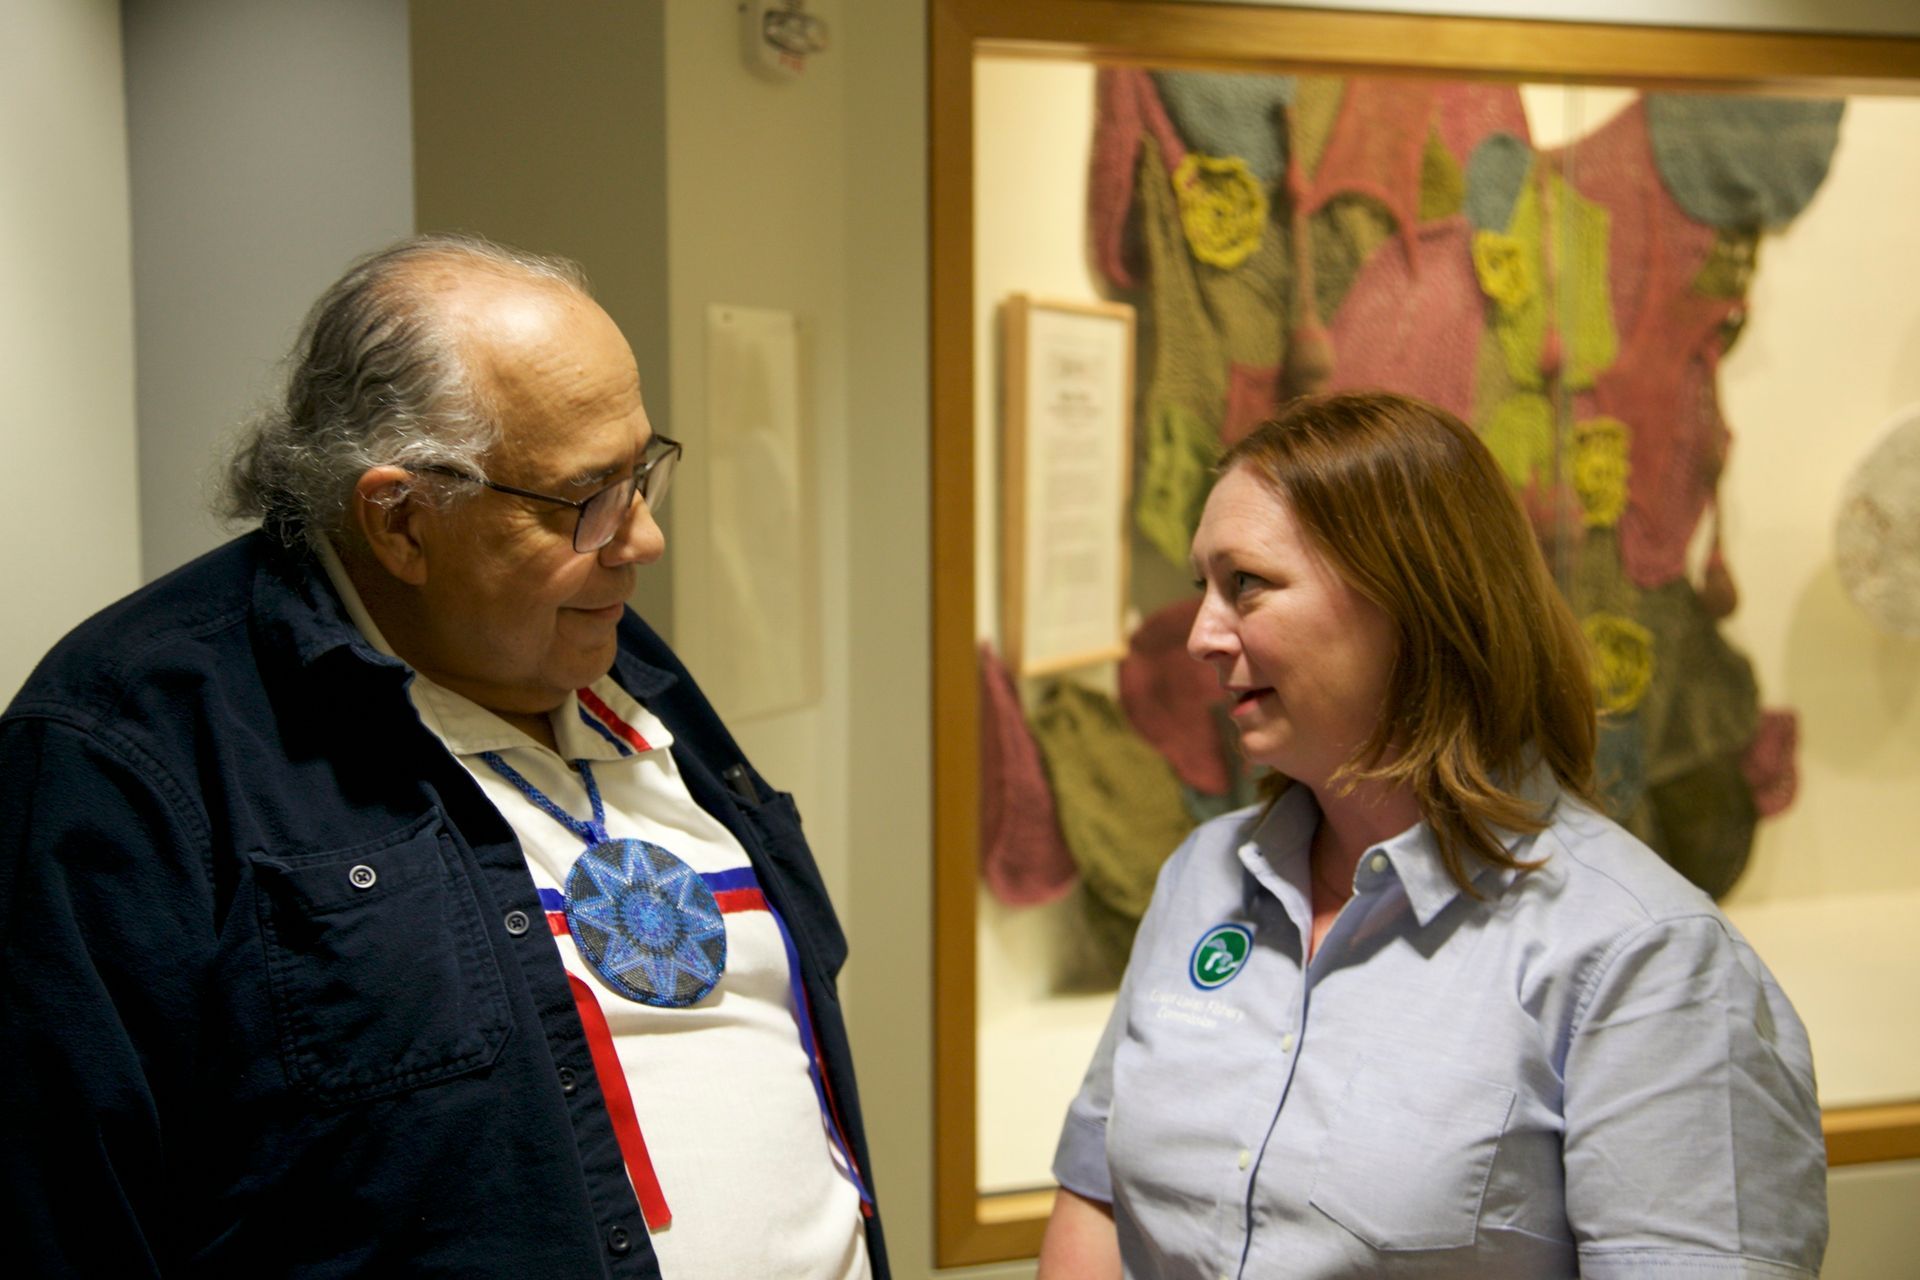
x=1426 y=1012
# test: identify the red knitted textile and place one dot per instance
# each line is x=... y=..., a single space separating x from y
x=1415 y=334
x=1126 y=107
x=1769 y=763
x=1380 y=133
x=1167 y=696
x=1252 y=395
x=1023 y=856
x=1467 y=114
x=1663 y=383
x=1375 y=148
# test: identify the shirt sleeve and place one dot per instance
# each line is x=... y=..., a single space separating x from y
x=106 y=912
x=1080 y=1159
x=1693 y=1143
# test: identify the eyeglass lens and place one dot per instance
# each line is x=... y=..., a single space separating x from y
x=653 y=481
x=600 y=518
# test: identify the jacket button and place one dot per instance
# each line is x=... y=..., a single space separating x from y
x=517 y=922
x=569 y=1083
x=619 y=1242
x=362 y=876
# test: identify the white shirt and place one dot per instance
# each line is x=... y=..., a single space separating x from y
x=721 y=1088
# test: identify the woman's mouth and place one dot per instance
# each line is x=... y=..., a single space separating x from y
x=1247 y=699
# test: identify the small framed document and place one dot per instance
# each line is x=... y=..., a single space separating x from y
x=1066 y=472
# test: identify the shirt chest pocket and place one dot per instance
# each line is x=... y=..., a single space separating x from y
x=1408 y=1155
x=382 y=976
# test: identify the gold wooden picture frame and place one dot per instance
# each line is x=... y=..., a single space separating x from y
x=974 y=1228
x=1066 y=464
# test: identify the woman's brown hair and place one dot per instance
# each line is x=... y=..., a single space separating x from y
x=1491 y=676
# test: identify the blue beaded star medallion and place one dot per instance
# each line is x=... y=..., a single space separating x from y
x=647 y=923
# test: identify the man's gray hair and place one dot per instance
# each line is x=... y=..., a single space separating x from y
x=377 y=378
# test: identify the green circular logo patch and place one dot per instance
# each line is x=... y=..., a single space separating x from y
x=1219 y=954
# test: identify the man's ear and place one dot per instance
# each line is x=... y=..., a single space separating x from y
x=389 y=518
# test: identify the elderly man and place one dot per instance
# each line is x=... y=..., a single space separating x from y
x=381 y=896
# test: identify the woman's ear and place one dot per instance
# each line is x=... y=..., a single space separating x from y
x=389 y=518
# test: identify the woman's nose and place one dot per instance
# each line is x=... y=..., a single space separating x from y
x=1209 y=637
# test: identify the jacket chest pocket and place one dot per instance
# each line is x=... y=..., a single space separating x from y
x=383 y=978
x=1408 y=1156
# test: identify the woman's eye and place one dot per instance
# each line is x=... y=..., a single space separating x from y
x=1243 y=582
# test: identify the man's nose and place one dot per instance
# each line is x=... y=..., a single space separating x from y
x=639 y=540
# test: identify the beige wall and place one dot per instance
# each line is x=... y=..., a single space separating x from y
x=809 y=196
x=757 y=197
x=70 y=521
x=545 y=128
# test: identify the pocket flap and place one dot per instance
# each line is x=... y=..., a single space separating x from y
x=1409 y=1153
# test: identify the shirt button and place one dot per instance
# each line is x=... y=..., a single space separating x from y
x=1246 y=1157
x=1286 y=1043
x=362 y=876
x=569 y=1083
x=619 y=1242
x=517 y=922
x=1378 y=862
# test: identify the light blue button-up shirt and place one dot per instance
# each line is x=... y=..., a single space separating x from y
x=1588 y=1073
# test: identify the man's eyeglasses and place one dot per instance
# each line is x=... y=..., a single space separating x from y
x=600 y=515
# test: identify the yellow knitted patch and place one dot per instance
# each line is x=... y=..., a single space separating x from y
x=1443 y=187
x=1519 y=435
x=1550 y=270
x=1505 y=269
x=1728 y=269
x=1222 y=208
x=1600 y=469
x=1622 y=661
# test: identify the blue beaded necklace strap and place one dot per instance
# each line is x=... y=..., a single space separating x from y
x=593 y=831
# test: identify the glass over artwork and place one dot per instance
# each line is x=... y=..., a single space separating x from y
x=1677 y=321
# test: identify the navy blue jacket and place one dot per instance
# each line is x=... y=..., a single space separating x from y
x=219 y=1058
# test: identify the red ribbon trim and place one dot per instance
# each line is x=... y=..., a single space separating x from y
x=593 y=702
x=626 y=1124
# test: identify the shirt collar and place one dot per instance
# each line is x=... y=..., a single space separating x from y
x=1277 y=849
x=600 y=723
x=1414 y=854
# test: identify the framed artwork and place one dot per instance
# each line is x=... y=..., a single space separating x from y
x=765 y=569
x=1066 y=461
x=1009 y=1045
